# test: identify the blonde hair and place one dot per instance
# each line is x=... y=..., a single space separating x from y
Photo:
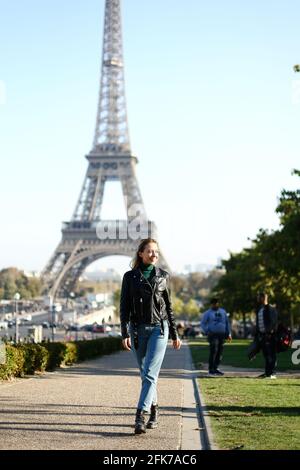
x=137 y=260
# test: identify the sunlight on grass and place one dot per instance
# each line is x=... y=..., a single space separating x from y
x=253 y=414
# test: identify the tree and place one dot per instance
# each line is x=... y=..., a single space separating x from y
x=272 y=263
x=12 y=280
x=178 y=306
x=237 y=288
x=191 y=309
x=116 y=301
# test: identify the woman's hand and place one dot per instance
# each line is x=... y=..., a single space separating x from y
x=127 y=344
x=176 y=343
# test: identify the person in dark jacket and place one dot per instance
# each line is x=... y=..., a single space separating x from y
x=146 y=321
x=266 y=329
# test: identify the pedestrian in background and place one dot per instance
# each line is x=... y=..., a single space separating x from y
x=215 y=325
x=180 y=330
x=146 y=320
x=266 y=329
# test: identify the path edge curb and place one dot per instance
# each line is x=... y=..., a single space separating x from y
x=202 y=410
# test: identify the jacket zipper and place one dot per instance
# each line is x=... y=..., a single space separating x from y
x=134 y=313
x=152 y=301
x=142 y=309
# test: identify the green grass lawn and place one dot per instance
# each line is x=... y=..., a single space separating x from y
x=250 y=414
x=235 y=355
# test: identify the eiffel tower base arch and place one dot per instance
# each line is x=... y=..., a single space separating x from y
x=75 y=253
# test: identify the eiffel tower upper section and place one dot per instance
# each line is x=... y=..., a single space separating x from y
x=111 y=157
x=111 y=133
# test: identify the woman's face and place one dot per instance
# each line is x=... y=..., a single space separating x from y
x=150 y=254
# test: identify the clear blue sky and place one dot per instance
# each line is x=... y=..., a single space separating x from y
x=211 y=114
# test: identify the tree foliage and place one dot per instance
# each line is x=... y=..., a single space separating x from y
x=12 y=280
x=271 y=264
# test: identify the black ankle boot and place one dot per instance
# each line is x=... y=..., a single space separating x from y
x=140 y=427
x=153 y=420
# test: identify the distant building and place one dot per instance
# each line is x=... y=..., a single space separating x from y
x=102 y=275
x=32 y=273
x=198 y=268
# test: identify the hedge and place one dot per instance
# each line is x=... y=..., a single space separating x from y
x=26 y=359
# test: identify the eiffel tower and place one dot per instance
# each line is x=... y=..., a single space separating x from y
x=87 y=238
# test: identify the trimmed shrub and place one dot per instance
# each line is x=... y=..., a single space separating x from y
x=71 y=354
x=56 y=354
x=30 y=358
x=14 y=363
x=98 y=347
x=36 y=358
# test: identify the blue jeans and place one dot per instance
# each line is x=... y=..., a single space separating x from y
x=150 y=353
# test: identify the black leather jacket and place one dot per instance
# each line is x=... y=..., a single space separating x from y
x=146 y=301
x=270 y=317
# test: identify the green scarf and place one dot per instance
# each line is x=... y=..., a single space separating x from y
x=147 y=270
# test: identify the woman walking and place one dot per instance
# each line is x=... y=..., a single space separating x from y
x=146 y=320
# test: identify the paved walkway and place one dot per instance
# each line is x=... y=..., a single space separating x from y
x=92 y=406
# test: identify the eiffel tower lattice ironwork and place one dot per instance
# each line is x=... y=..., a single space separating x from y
x=87 y=237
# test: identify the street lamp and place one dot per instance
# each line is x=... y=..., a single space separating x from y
x=72 y=297
x=17 y=297
x=53 y=321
